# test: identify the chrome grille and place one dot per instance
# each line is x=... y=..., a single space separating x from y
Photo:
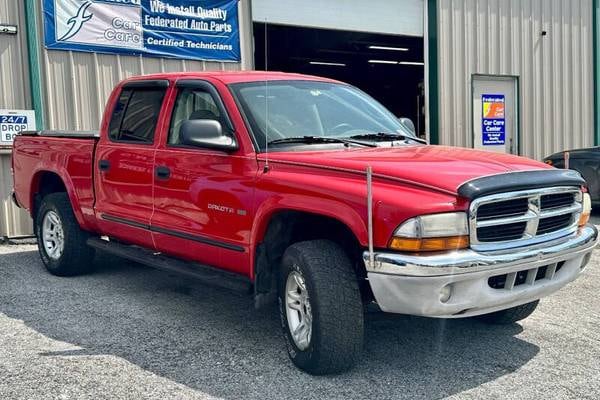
x=521 y=218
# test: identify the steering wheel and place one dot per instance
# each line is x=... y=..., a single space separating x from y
x=277 y=132
x=345 y=126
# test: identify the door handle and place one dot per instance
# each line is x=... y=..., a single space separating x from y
x=162 y=172
x=104 y=165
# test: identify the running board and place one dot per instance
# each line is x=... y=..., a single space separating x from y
x=203 y=273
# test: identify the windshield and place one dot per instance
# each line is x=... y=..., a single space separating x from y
x=286 y=109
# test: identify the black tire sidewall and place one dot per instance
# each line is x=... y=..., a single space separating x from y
x=77 y=256
x=50 y=263
x=337 y=310
x=290 y=263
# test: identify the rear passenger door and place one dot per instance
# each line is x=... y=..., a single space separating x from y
x=124 y=167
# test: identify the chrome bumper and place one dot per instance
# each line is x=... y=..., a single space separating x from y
x=413 y=284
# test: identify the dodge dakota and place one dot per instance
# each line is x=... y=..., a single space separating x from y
x=307 y=192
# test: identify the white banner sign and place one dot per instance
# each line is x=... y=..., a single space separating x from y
x=14 y=121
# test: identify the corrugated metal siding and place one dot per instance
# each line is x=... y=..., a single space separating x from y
x=13 y=221
x=504 y=37
x=14 y=79
x=77 y=85
x=14 y=94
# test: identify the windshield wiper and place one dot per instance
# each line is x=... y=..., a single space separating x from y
x=320 y=139
x=387 y=136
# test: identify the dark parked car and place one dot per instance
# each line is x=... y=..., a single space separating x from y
x=586 y=162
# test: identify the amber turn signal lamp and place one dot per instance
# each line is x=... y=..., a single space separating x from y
x=429 y=244
x=587 y=209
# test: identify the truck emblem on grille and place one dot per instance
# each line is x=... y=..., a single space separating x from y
x=534 y=211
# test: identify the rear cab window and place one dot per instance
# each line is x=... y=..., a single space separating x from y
x=136 y=114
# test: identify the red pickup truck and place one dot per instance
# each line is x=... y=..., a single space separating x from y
x=307 y=190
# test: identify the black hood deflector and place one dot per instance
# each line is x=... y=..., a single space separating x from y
x=523 y=180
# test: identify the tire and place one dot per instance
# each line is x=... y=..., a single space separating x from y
x=334 y=304
x=74 y=256
x=510 y=315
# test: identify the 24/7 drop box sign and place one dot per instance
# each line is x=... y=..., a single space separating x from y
x=13 y=122
x=493 y=122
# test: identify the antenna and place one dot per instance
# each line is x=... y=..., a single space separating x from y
x=266 y=169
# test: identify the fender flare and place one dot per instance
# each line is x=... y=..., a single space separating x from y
x=330 y=208
x=68 y=183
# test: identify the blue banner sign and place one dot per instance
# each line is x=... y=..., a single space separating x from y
x=494 y=119
x=190 y=29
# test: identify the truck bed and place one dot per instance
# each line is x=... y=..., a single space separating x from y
x=69 y=155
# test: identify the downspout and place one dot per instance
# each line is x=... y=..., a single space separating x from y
x=596 y=43
x=432 y=60
x=35 y=82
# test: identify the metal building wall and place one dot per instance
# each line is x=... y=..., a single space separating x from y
x=14 y=94
x=76 y=85
x=505 y=37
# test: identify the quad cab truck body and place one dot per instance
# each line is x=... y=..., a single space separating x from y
x=180 y=176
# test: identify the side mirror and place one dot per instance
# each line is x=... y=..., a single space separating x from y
x=408 y=124
x=207 y=133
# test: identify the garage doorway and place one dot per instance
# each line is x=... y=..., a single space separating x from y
x=388 y=67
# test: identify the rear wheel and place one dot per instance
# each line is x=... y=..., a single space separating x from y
x=320 y=307
x=61 y=242
x=510 y=315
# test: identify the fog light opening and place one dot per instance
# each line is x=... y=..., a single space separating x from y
x=445 y=293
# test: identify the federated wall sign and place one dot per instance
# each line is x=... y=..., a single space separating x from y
x=191 y=29
x=494 y=120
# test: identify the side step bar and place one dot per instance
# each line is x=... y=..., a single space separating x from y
x=203 y=273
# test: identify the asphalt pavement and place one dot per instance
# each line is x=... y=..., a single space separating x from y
x=130 y=332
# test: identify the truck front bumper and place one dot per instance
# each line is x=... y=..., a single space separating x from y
x=465 y=283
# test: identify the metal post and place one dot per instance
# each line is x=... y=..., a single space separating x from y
x=35 y=80
x=370 y=215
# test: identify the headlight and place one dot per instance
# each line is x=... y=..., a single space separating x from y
x=587 y=209
x=435 y=232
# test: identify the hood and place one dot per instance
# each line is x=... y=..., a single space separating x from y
x=441 y=167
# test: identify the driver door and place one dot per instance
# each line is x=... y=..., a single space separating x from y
x=202 y=197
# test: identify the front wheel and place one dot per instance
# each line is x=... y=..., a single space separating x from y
x=320 y=307
x=510 y=315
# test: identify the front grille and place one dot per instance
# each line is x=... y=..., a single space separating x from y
x=524 y=277
x=552 y=224
x=503 y=209
x=519 y=218
x=508 y=232
x=557 y=200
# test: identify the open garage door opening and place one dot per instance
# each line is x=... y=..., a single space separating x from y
x=388 y=67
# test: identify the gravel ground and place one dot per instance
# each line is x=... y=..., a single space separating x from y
x=129 y=332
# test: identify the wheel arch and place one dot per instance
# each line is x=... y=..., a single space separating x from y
x=283 y=227
x=45 y=182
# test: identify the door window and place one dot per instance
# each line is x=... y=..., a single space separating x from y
x=193 y=104
x=136 y=114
